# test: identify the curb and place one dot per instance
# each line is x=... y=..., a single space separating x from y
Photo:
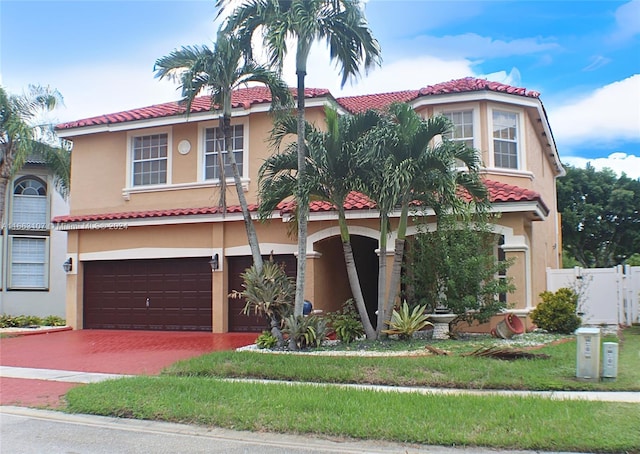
x=34 y=331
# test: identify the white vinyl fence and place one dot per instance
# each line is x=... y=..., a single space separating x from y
x=608 y=296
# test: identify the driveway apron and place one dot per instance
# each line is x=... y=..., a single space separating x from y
x=101 y=351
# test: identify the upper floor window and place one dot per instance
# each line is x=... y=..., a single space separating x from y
x=150 y=159
x=505 y=139
x=214 y=145
x=462 y=126
x=29 y=204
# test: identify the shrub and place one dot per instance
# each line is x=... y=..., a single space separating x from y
x=306 y=332
x=406 y=322
x=21 y=321
x=457 y=267
x=53 y=320
x=266 y=340
x=346 y=323
x=557 y=311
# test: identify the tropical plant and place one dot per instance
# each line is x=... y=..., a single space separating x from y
x=305 y=331
x=342 y=24
x=557 y=311
x=346 y=323
x=22 y=137
x=407 y=165
x=268 y=292
x=220 y=71
x=332 y=174
x=456 y=267
x=266 y=340
x=406 y=321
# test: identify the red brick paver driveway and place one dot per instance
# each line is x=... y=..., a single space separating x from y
x=115 y=352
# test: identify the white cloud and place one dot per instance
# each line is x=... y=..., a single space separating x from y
x=618 y=162
x=608 y=114
x=472 y=45
x=628 y=20
x=96 y=90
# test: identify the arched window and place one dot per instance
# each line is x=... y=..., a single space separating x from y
x=29 y=205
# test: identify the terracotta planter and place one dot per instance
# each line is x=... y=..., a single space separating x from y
x=508 y=327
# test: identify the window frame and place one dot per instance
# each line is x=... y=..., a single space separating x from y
x=45 y=264
x=42 y=226
x=202 y=154
x=131 y=136
x=475 y=123
x=519 y=142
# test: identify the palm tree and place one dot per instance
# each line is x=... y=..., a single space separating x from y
x=407 y=165
x=332 y=174
x=220 y=71
x=21 y=137
x=342 y=24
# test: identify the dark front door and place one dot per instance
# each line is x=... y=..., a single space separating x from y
x=159 y=294
x=238 y=322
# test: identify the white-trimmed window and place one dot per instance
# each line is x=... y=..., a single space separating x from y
x=214 y=144
x=28 y=262
x=462 y=121
x=505 y=139
x=29 y=204
x=149 y=159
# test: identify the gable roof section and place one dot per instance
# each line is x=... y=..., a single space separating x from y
x=243 y=98
x=355 y=104
x=498 y=193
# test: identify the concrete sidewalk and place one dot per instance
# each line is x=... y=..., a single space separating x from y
x=91 y=377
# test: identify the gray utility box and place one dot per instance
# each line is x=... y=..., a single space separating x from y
x=609 y=360
x=588 y=359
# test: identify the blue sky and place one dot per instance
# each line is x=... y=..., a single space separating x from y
x=582 y=56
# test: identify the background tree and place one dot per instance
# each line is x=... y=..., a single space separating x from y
x=342 y=24
x=23 y=136
x=220 y=71
x=600 y=216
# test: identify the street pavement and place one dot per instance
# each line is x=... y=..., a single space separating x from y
x=31 y=431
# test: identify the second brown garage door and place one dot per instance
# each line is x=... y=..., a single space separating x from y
x=159 y=294
x=238 y=322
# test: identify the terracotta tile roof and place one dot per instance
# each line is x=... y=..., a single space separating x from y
x=241 y=98
x=498 y=192
x=378 y=101
x=246 y=97
x=472 y=84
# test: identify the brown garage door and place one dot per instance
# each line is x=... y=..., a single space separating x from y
x=163 y=294
x=237 y=265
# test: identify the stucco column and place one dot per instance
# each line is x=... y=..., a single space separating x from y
x=75 y=281
x=520 y=273
x=219 y=282
x=310 y=277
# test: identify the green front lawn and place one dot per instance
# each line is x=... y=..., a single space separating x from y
x=455 y=371
x=190 y=392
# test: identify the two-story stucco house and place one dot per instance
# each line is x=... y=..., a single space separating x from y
x=151 y=249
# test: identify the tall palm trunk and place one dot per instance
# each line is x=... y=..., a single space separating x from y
x=301 y=199
x=352 y=273
x=396 y=270
x=252 y=236
x=382 y=272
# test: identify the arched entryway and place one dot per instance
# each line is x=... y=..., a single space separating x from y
x=331 y=286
